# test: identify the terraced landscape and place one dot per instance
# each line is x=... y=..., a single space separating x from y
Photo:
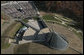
x=25 y=30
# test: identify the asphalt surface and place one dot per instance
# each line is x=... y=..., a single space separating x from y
x=13 y=9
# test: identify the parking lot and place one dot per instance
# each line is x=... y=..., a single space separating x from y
x=13 y=9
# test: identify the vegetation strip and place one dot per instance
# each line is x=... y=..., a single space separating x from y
x=50 y=18
x=9 y=33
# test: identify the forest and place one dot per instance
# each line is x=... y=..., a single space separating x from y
x=70 y=9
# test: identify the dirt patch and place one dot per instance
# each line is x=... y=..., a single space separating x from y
x=21 y=49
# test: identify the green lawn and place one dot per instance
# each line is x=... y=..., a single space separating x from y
x=49 y=17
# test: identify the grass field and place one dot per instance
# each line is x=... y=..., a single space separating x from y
x=49 y=17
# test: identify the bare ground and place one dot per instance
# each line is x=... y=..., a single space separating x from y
x=35 y=48
x=74 y=40
x=9 y=50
